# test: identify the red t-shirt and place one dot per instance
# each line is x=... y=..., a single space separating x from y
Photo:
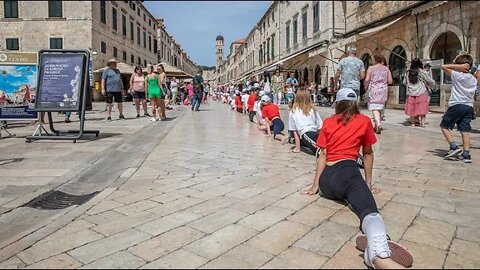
x=270 y=111
x=344 y=141
x=238 y=102
x=251 y=101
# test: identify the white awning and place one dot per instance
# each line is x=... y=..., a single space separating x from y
x=374 y=30
x=274 y=65
x=427 y=6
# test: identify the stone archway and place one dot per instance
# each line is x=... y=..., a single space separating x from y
x=443 y=28
x=398 y=66
x=446 y=47
x=318 y=75
x=305 y=76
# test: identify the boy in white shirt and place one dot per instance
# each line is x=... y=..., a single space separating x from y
x=460 y=106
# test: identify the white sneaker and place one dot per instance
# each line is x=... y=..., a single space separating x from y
x=378 y=248
x=153 y=119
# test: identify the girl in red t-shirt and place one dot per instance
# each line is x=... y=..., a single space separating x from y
x=338 y=178
x=238 y=102
x=271 y=115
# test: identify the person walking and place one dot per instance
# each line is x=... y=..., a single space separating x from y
x=198 y=91
x=138 y=85
x=112 y=88
x=174 y=90
x=417 y=81
x=277 y=87
x=154 y=91
x=163 y=88
x=376 y=82
x=350 y=72
x=291 y=85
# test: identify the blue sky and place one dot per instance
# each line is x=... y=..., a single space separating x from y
x=195 y=24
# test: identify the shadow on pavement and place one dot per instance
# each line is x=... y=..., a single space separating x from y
x=10 y=160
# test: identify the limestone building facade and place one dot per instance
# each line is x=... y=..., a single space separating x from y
x=308 y=38
x=125 y=30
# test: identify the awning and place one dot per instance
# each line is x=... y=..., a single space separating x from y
x=171 y=71
x=274 y=65
x=124 y=68
x=427 y=6
x=374 y=30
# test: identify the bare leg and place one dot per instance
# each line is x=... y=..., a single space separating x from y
x=413 y=119
x=376 y=116
x=109 y=109
x=161 y=105
x=466 y=140
x=279 y=137
x=297 y=142
x=153 y=103
x=120 y=108
x=137 y=105
x=447 y=134
x=144 y=105
x=422 y=120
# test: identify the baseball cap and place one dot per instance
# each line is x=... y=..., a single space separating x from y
x=265 y=98
x=256 y=85
x=346 y=94
x=261 y=93
x=237 y=92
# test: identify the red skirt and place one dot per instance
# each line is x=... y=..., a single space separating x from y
x=417 y=105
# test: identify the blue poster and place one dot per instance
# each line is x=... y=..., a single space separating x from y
x=60 y=81
x=18 y=86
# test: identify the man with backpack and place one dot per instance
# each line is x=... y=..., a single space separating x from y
x=197 y=91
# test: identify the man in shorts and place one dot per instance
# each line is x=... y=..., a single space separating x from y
x=350 y=71
x=112 y=88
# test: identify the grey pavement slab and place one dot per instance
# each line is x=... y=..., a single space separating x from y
x=213 y=192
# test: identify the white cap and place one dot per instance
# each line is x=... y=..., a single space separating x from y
x=346 y=94
x=237 y=92
x=265 y=98
x=261 y=93
x=256 y=85
x=352 y=49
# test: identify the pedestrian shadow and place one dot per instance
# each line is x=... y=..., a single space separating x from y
x=203 y=110
x=475 y=131
x=169 y=119
x=10 y=160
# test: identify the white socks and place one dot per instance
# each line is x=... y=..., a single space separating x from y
x=377 y=245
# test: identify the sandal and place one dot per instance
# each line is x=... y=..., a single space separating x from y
x=296 y=151
x=400 y=254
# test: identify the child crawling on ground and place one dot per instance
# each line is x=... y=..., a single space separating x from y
x=271 y=115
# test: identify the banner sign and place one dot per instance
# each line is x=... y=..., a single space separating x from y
x=18 y=85
x=60 y=81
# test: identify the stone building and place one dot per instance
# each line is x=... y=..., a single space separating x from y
x=433 y=31
x=125 y=30
x=308 y=38
x=171 y=52
x=291 y=36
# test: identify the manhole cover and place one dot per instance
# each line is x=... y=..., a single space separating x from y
x=58 y=200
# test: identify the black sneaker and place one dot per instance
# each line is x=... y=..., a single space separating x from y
x=138 y=115
x=109 y=119
x=146 y=114
x=121 y=116
x=453 y=152
x=465 y=158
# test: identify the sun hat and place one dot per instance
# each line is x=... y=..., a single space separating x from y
x=346 y=94
x=261 y=93
x=113 y=60
x=265 y=98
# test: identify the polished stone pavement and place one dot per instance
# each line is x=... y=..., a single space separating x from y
x=216 y=193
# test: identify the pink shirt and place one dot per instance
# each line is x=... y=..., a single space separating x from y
x=190 y=89
x=378 y=86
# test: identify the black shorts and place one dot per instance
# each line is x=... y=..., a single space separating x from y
x=117 y=96
x=277 y=126
x=138 y=95
x=460 y=115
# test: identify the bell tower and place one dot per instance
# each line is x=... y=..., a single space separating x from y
x=219 y=51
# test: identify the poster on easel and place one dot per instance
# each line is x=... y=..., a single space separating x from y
x=60 y=82
x=18 y=85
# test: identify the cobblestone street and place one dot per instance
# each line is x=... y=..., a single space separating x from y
x=216 y=193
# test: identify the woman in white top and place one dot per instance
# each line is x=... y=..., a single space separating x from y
x=174 y=90
x=304 y=121
x=138 y=84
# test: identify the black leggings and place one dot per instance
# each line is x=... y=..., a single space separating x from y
x=251 y=115
x=343 y=181
x=309 y=140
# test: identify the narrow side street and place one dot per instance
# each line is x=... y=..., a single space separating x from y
x=216 y=193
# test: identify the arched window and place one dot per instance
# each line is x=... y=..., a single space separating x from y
x=397 y=64
x=305 y=76
x=318 y=75
x=446 y=47
x=398 y=67
x=367 y=60
x=296 y=74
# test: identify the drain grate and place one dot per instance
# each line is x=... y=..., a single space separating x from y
x=58 y=200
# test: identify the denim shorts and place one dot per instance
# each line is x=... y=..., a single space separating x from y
x=138 y=95
x=459 y=114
